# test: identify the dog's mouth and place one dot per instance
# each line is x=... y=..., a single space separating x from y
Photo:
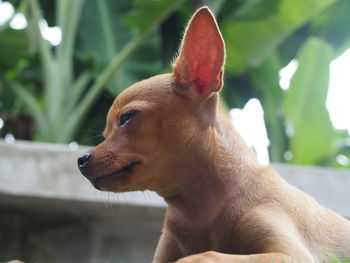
x=119 y=174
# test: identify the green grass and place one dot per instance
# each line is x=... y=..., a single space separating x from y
x=339 y=257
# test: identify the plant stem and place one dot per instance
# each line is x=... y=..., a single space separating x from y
x=44 y=51
x=108 y=36
x=78 y=87
x=68 y=18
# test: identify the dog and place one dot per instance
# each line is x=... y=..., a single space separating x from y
x=167 y=134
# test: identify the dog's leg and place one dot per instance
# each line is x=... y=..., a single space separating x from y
x=167 y=249
x=215 y=257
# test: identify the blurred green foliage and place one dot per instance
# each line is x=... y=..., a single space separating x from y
x=108 y=45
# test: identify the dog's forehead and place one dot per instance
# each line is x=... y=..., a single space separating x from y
x=156 y=88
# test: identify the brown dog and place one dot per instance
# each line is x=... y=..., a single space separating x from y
x=166 y=134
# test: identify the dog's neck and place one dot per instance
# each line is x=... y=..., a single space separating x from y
x=226 y=171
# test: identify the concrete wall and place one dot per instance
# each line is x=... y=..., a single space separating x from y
x=50 y=213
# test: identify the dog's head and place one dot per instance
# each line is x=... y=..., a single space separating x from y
x=159 y=127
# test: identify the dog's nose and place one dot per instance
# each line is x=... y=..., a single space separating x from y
x=83 y=161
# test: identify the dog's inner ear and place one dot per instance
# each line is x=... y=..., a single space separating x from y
x=198 y=70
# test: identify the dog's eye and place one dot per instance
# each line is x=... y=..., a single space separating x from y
x=126 y=117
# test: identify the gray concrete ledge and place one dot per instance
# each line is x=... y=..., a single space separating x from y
x=330 y=187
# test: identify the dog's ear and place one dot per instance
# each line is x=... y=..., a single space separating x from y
x=198 y=70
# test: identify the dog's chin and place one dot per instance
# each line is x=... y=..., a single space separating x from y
x=115 y=181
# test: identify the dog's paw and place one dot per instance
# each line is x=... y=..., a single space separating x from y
x=206 y=257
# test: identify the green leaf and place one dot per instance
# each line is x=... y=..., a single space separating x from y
x=249 y=42
x=266 y=81
x=333 y=24
x=345 y=46
x=143 y=63
x=91 y=25
x=257 y=9
x=314 y=139
x=14 y=46
x=215 y=5
x=143 y=14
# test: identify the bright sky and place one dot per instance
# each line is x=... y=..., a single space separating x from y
x=338 y=100
x=249 y=120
